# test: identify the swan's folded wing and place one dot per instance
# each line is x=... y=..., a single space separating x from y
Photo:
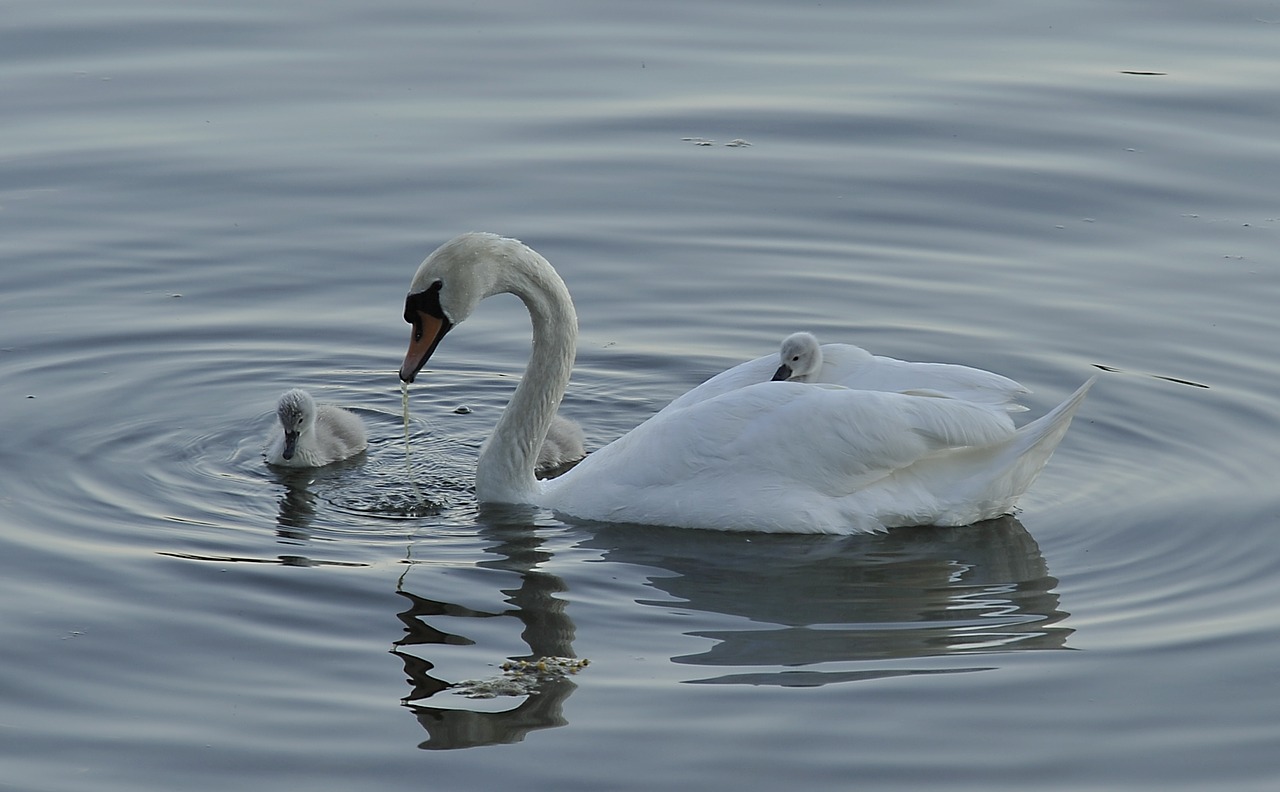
x=956 y=423
x=854 y=368
x=853 y=438
x=831 y=438
x=753 y=371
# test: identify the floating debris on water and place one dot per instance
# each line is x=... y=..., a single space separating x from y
x=462 y=409
x=522 y=677
x=735 y=143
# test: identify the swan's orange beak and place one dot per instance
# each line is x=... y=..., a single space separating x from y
x=427 y=332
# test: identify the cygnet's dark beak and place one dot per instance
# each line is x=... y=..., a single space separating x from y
x=290 y=444
x=783 y=373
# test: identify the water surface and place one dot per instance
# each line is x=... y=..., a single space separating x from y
x=201 y=206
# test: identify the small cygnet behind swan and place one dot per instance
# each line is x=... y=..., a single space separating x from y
x=564 y=444
x=313 y=434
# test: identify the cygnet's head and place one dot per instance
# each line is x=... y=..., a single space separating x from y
x=800 y=356
x=297 y=414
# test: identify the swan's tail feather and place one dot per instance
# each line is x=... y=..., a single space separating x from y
x=1034 y=443
x=1010 y=468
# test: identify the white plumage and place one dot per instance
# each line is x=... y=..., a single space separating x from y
x=313 y=435
x=742 y=455
x=802 y=359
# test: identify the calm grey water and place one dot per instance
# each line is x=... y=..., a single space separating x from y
x=202 y=204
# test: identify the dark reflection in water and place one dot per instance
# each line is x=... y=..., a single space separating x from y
x=872 y=600
x=906 y=594
x=297 y=506
x=547 y=632
x=299 y=502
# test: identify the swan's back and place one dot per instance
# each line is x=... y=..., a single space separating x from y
x=856 y=368
x=796 y=457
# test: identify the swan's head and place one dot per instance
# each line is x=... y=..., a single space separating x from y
x=449 y=284
x=800 y=357
x=297 y=414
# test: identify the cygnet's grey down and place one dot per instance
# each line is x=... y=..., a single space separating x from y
x=313 y=434
x=800 y=358
x=563 y=445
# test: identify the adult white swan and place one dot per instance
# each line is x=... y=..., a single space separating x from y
x=789 y=457
x=801 y=358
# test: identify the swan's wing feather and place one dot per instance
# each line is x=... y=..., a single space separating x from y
x=954 y=423
x=753 y=371
x=853 y=367
x=783 y=432
x=780 y=456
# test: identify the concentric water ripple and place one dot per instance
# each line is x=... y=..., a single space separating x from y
x=110 y=444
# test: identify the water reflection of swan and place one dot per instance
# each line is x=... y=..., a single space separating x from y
x=547 y=631
x=783 y=457
x=821 y=610
x=873 y=600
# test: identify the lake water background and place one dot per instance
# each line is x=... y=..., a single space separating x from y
x=204 y=204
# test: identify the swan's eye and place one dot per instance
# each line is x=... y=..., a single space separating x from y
x=411 y=316
x=427 y=302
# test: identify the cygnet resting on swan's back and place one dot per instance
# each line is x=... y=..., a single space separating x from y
x=313 y=435
x=790 y=457
x=802 y=359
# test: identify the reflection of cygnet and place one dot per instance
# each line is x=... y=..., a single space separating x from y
x=314 y=434
x=562 y=446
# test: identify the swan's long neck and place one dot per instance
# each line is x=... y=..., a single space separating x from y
x=504 y=473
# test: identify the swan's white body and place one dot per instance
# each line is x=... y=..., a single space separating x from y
x=767 y=456
x=802 y=359
x=313 y=435
x=564 y=444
